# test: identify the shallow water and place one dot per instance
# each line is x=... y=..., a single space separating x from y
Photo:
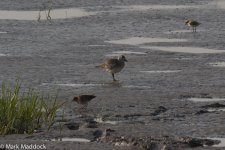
x=54 y=13
x=63 y=54
x=143 y=40
x=217 y=64
x=194 y=50
x=2 y=55
x=80 y=85
x=161 y=71
x=100 y=120
x=216 y=109
x=118 y=53
x=206 y=99
x=181 y=31
x=67 y=139
x=156 y=7
x=219 y=3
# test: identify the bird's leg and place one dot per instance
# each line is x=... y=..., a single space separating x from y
x=113 y=77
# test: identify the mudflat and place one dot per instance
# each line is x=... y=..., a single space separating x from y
x=170 y=93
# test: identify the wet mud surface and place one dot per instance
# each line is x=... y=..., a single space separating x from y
x=152 y=103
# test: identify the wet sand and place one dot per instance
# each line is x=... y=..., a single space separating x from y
x=168 y=66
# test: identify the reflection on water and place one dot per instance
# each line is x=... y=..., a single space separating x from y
x=195 y=50
x=54 y=13
x=206 y=99
x=67 y=139
x=143 y=40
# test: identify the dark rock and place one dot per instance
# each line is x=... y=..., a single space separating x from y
x=195 y=143
x=185 y=96
x=153 y=146
x=205 y=95
x=97 y=134
x=73 y=125
x=91 y=124
x=214 y=105
x=159 y=110
x=132 y=115
x=202 y=112
x=108 y=132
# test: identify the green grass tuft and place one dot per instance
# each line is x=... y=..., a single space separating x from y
x=25 y=112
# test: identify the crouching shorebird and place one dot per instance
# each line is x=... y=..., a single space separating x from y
x=83 y=99
x=114 y=65
x=193 y=24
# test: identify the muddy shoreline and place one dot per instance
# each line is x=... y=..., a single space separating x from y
x=171 y=88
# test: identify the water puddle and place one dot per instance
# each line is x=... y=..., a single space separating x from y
x=96 y=45
x=161 y=71
x=136 y=87
x=205 y=99
x=181 y=31
x=215 y=109
x=217 y=64
x=80 y=85
x=2 y=55
x=218 y=4
x=67 y=139
x=54 y=14
x=143 y=40
x=118 y=53
x=221 y=4
x=100 y=120
x=156 y=7
x=221 y=144
x=195 y=50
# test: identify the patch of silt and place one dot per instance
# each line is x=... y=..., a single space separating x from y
x=152 y=142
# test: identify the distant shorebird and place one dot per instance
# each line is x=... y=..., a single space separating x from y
x=114 y=65
x=193 y=24
x=83 y=99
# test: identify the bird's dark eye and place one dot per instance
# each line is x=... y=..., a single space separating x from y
x=123 y=56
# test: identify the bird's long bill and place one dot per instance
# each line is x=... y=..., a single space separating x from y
x=125 y=60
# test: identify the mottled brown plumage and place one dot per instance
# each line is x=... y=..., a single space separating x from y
x=83 y=99
x=193 y=24
x=114 y=65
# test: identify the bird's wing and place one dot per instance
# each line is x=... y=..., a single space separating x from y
x=112 y=63
x=195 y=23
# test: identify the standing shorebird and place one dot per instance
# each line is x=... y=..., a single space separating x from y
x=114 y=65
x=83 y=99
x=193 y=24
